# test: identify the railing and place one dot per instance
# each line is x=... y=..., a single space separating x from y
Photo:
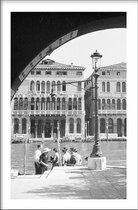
x=48 y=112
x=111 y=112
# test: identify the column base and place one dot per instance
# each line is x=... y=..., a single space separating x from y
x=97 y=163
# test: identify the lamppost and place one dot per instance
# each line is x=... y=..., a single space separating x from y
x=96 y=58
x=96 y=161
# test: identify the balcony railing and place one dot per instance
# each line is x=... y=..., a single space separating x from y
x=111 y=112
x=48 y=112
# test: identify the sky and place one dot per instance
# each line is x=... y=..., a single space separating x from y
x=111 y=44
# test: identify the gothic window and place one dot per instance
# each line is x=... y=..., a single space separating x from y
x=37 y=86
x=63 y=86
x=103 y=104
x=63 y=104
x=32 y=104
x=113 y=104
x=58 y=103
x=16 y=125
x=108 y=86
x=42 y=86
x=123 y=87
x=70 y=104
x=99 y=104
x=43 y=104
x=21 y=104
x=103 y=86
x=58 y=86
x=79 y=104
x=108 y=104
x=32 y=86
x=74 y=104
x=23 y=125
x=118 y=104
x=48 y=86
x=25 y=103
x=48 y=104
x=37 y=104
x=16 y=104
x=53 y=85
x=124 y=104
x=110 y=125
x=118 y=87
x=71 y=125
x=78 y=125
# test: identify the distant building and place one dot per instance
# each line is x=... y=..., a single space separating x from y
x=111 y=101
x=36 y=114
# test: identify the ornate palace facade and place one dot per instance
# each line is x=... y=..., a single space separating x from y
x=46 y=101
x=111 y=101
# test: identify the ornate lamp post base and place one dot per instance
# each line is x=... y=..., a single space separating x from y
x=96 y=150
x=97 y=163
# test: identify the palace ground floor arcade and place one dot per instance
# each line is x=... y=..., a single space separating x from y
x=114 y=125
x=48 y=127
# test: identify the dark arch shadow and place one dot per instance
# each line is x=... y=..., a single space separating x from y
x=35 y=35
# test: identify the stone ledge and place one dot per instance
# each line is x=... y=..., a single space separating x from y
x=97 y=163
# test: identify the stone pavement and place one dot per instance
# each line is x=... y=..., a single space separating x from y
x=72 y=183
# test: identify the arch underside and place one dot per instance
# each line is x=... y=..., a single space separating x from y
x=36 y=35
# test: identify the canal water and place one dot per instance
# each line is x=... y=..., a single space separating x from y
x=115 y=152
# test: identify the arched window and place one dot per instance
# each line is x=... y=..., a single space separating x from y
x=53 y=85
x=58 y=103
x=118 y=104
x=119 y=127
x=71 y=125
x=48 y=86
x=42 y=86
x=102 y=125
x=25 y=103
x=108 y=86
x=103 y=86
x=63 y=104
x=110 y=125
x=63 y=86
x=99 y=104
x=48 y=103
x=21 y=104
x=16 y=104
x=108 y=104
x=32 y=104
x=32 y=86
x=124 y=104
x=113 y=104
x=103 y=104
x=79 y=86
x=58 y=86
x=43 y=104
x=53 y=104
x=70 y=104
x=24 y=125
x=37 y=104
x=16 y=125
x=78 y=125
x=79 y=104
x=123 y=87
x=37 y=86
x=118 y=87
x=74 y=104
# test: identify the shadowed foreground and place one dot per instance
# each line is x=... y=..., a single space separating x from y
x=72 y=183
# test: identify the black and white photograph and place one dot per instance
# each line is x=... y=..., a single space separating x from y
x=70 y=137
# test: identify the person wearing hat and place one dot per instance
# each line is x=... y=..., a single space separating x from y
x=66 y=157
x=72 y=158
x=78 y=158
x=44 y=159
x=55 y=159
x=37 y=155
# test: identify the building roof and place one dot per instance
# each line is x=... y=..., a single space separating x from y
x=51 y=64
x=119 y=66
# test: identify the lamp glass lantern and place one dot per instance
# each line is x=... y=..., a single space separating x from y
x=96 y=60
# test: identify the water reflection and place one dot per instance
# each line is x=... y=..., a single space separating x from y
x=115 y=153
